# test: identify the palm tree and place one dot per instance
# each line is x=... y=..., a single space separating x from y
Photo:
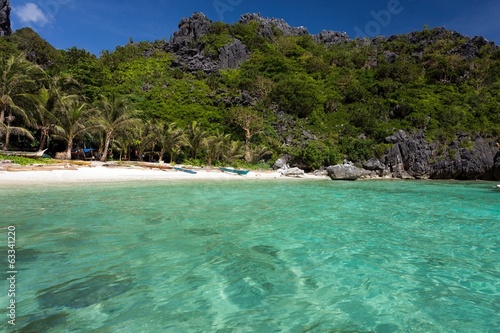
x=16 y=77
x=172 y=140
x=75 y=118
x=234 y=151
x=16 y=130
x=194 y=136
x=215 y=146
x=47 y=105
x=116 y=118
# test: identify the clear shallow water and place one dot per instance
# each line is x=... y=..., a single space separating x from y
x=373 y=256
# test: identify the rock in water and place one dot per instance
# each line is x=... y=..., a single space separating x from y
x=345 y=171
x=5 y=28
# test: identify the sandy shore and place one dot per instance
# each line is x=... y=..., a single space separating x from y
x=97 y=172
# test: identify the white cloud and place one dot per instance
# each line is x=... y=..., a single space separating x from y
x=30 y=13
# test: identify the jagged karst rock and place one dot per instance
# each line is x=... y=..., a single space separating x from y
x=233 y=55
x=282 y=162
x=374 y=164
x=496 y=166
x=466 y=158
x=191 y=29
x=268 y=26
x=331 y=38
x=475 y=162
x=186 y=46
x=5 y=27
x=409 y=156
x=346 y=171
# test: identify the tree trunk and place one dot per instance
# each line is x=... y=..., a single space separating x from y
x=248 y=152
x=68 y=151
x=2 y=113
x=104 y=155
x=160 y=156
x=7 y=138
x=44 y=137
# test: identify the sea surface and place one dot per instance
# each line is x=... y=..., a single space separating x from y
x=254 y=256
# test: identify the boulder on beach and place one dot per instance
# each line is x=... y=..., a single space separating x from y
x=346 y=171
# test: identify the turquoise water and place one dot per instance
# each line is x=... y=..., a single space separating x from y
x=305 y=256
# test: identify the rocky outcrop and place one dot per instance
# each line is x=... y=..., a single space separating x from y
x=282 y=162
x=268 y=26
x=292 y=172
x=5 y=27
x=346 y=171
x=466 y=158
x=233 y=55
x=331 y=38
x=190 y=29
x=409 y=156
x=186 y=45
x=496 y=166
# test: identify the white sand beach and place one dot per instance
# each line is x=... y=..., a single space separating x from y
x=98 y=172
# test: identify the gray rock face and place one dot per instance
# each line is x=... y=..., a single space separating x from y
x=5 y=27
x=268 y=25
x=344 y=171
x=496 y=167
x=409 y=155
x=467 y=158
x=331 y=38
x=186 y=45
x=477 y=162
x=233 y=55
x=192 y=28
x=292 y=172
x=282 y=162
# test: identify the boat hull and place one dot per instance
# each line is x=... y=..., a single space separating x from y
x=185 y=170
x=235 y=171
x=30 y=154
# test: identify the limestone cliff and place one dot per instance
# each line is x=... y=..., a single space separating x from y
x=5 y=28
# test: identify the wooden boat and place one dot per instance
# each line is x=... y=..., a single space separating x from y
x=30 y=154
x=185 y=170
x=236 y=171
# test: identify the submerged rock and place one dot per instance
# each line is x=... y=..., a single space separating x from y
x=45 y=324
x=79 y=294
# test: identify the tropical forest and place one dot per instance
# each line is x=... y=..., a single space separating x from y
x=245 y=94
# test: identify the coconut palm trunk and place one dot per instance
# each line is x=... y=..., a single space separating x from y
x=107 y=141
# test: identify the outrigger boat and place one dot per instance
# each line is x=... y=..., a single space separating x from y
x=236 y=171
x=30 y=154
x=185 y=170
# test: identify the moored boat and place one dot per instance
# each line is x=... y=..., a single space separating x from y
x=236 y=171
x=185 y=170
x=30 y=154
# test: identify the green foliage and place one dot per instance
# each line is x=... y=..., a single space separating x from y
x=317 y=154
x=319 y=103
x=25 y=160
x=298 y=95
x=35 y=48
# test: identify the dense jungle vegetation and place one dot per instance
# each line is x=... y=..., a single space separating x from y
x=320 y=104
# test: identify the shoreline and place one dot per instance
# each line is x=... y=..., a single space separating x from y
x=100 y=173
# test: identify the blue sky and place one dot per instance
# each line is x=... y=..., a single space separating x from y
x=98 y=25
